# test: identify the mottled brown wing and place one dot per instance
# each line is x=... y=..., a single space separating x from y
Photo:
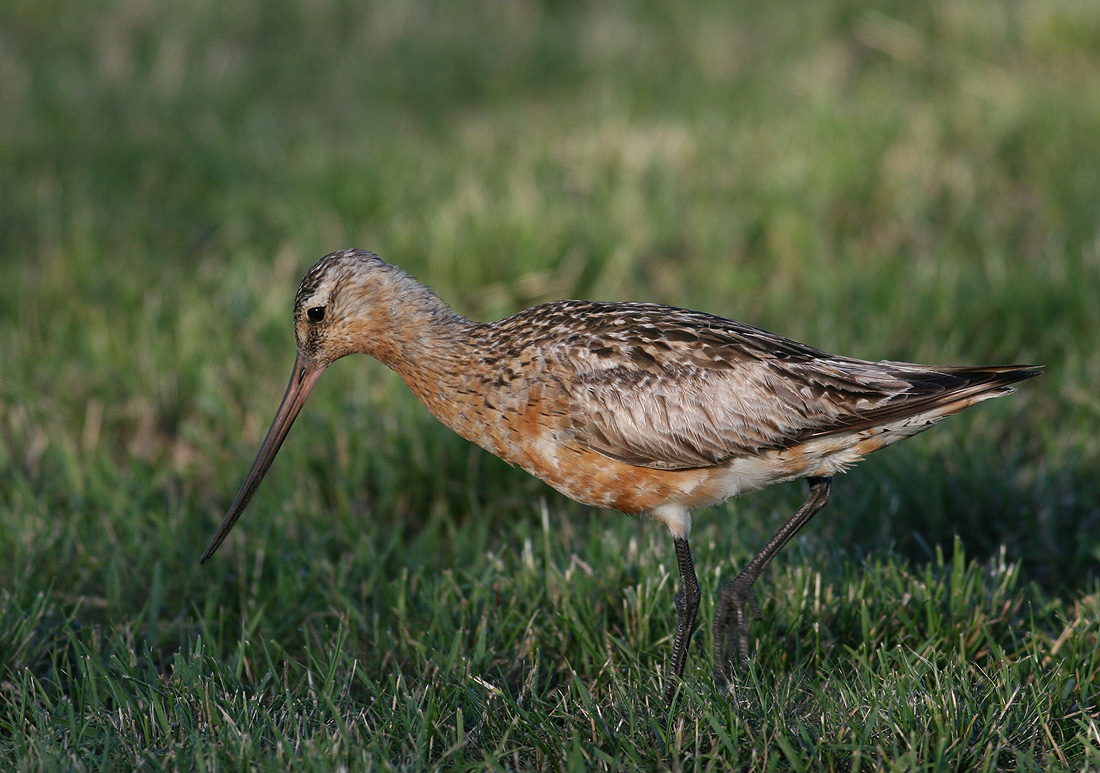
x=697 y=417
x=671 y=389
x=705 y=418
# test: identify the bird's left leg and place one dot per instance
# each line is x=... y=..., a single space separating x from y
x=736 y=601
x=687 y=606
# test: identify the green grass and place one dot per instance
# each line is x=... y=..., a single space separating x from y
x=912 y=181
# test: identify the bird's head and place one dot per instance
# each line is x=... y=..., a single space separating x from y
x=345 y=304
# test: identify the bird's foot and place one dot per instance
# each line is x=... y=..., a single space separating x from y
x=736 y=609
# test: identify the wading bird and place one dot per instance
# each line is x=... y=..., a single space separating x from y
x=630 y=406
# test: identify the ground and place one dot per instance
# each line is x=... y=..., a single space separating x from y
x=912 y=181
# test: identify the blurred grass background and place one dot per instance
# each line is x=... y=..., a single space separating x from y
x=902 y=181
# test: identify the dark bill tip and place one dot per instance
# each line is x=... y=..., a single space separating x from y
x=302 y=380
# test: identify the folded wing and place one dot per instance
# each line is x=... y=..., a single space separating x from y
x=674 y=389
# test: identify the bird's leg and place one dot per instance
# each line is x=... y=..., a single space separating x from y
x=736 y=603
x=687 y=605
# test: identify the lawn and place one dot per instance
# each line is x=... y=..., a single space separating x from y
x=905 y=181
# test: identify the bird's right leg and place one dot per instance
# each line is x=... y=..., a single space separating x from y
x=687 y=606
x=736 y=603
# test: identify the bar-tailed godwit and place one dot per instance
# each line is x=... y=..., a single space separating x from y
x=631 y=406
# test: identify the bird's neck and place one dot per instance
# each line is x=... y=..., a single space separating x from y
x=429 y=345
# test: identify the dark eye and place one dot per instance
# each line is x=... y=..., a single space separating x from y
x=316 y=313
